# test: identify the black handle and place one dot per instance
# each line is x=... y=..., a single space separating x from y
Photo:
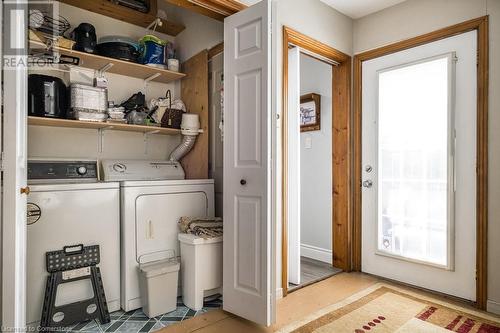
x=243 y=182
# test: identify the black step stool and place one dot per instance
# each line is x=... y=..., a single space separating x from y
x=73 y=263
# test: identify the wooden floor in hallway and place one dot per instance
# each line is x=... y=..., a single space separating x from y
x=312 y=271
x=295 y=306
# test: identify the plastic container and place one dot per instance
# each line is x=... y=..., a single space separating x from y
x=152 y=50
x=158 y=285
x=88 y=98
x=201 y=261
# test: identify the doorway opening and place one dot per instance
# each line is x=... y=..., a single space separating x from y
x=310 y=163
x=315 y=161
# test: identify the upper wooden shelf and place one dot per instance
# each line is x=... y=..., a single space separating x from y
x=216 y=9
x=110 y=9
x=69 y=123
x=116 y=66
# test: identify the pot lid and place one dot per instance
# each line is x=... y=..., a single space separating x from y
x=119 y=39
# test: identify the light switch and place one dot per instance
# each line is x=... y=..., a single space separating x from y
x=308 y=142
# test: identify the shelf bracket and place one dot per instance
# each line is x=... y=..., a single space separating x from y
x=146 y=139
x=149 y=79
x=100 y=136
x=82 y=73
x=105 y=68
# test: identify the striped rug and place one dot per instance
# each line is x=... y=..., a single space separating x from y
x=383 y=308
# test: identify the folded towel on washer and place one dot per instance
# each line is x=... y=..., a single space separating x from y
x=206 y=227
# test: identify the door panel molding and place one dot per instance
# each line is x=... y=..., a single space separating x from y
x=341 y=160
x=481 y=26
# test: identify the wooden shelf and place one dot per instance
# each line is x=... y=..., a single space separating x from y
x=110 y=9
x=97 y=62
x=54 y=122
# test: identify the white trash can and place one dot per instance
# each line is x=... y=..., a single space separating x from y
x=158 y=284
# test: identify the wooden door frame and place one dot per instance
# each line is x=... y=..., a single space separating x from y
x=341 y=163
x=481 y=26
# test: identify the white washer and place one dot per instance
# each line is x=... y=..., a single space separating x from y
x=150 y=211
x=82 y=212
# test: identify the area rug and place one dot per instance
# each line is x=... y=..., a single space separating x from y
x=383 y=308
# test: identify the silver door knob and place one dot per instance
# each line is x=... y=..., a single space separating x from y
x=367 y=183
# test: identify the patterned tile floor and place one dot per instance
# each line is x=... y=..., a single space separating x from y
x=136 y=321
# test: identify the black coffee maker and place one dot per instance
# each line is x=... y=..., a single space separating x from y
x=85 y=37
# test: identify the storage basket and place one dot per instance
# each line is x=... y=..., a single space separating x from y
x=172 y=118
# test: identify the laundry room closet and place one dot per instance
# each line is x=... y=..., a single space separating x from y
x=124 y=164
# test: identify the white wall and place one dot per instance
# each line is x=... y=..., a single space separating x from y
x=416 y=17
x=319 y=21
x=316 y=164
x=201 y=32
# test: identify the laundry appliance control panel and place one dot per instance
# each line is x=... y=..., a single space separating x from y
x=141 y=170
x=62 y=171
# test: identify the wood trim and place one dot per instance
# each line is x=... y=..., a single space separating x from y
x=197 y=9
x=298 y=39
x=122 y=13
x=423 y=39
x=481 y=26
x=194 y=92
x=341 y=164
x=222 y=7
x=482 y=164
x=217 y=49
x=341 y=168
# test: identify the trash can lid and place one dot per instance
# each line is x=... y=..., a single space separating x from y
x=160 y=267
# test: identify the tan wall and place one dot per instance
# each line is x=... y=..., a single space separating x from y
x=416 y=17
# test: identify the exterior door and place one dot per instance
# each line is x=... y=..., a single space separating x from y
x=293 y=165
x=419 y=166
x=14 y=126
x=248 y=279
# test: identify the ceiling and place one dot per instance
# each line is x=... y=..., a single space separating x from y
x=352 y=8
x=359 y=8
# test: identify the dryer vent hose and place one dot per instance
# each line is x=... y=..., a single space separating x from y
x=184 y=148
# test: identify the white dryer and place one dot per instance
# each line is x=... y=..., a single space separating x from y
x=153 y=198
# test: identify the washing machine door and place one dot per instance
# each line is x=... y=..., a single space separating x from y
x=157 y=216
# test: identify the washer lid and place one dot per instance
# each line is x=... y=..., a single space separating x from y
x=137 y=170
x=74 y=187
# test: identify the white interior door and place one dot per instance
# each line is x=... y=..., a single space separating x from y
x=419 y=166
x=293 y=180
x=248 y=290
x=14 y=15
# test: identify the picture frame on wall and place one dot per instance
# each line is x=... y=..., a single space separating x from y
x=310 y=112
